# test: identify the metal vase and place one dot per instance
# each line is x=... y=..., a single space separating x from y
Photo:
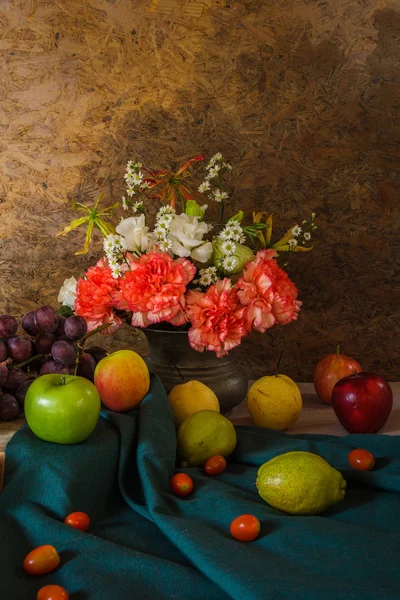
x=175 y=361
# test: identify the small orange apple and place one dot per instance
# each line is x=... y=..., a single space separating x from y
x=329 y=370
x=122 y=380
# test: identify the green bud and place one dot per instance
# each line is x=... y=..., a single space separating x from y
x=242 y=255
x=239 y=216
x=193 y=209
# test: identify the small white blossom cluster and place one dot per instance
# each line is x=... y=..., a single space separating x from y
x=207 y=277
x=115 y=248
x=231 y=235
x=133 y=177
x=216 y=166
x=135 y=207
x=296 y=232
x=162 y=229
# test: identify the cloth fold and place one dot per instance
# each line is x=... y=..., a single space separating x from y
x=145 y=542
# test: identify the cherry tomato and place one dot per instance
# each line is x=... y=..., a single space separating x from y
x=181 y=484
x=361 y=459
x=41 y=560
x=78 y=520
x=245 y=528
x=52 y=592
x=216 y=464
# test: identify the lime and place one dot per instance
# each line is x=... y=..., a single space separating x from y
x=204 y=434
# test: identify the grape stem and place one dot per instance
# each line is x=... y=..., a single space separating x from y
x=29 y=360
x=81 y=343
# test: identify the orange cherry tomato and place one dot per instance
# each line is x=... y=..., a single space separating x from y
x=78 y=520
x=245 y=528
x=52 y=592
x=41 y=560
x=181 y=484
x=216 y=464
x=361 y=459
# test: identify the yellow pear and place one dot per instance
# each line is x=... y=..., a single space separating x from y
x=190 y=397
x=274 y=402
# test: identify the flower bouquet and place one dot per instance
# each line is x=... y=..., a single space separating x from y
x=218 y=279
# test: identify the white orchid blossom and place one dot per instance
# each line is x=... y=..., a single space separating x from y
x=135 y=233
x=186 y=234
x=67 y=293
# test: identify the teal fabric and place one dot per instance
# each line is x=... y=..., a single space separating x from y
x=144 y=542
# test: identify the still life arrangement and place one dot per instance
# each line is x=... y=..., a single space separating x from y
x=213 y=281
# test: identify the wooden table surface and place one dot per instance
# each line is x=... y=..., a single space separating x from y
x=315 y=417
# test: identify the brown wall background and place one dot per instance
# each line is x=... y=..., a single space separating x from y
x=301 y=96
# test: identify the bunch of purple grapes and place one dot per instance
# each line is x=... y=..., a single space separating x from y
x=51 y=343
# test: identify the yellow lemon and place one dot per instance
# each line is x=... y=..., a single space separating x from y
x=274 y=402
x=300 y=483
x=190 y=397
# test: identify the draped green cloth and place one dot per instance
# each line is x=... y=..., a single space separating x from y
x=144 y=542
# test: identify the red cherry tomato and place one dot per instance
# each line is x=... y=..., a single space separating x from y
x=361 y=459
x=41 y=560
x=52 y=592
x=78 y=520
x=245 y=528
x=216 y=464
x=181 y=484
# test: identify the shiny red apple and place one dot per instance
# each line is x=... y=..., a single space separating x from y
x=329 y=370
x=362 y=402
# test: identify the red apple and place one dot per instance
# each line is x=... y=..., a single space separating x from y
x=122 y=380
x=362 y=402
x=329 y=370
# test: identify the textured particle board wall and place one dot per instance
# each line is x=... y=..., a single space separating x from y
x=301 y=96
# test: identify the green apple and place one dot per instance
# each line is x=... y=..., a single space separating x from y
x=62 y=408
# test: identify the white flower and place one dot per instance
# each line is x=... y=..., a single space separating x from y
x=130 y=191
x=213 y=172
x=135 y=232
x=165 y=244
x=138 y=206
x=228 y=247
x=296 y=231
x=207 y=276
x=67 y=293
x=165 y=210
x=187 y=238
x=292 y=244
x=124 y=203
x=218 y=196
x=307 y=236
x=203 y=187
x=205 y=280
x=165 y=219
x=229 y=263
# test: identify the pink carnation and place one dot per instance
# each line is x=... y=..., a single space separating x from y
x=94 y=298
x=154 y=289
x=216 y=317
x=267 y=293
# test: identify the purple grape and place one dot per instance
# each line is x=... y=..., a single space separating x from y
x=19 y=348
x=75 y=327
x=8 y=326
x=65 y=338
x=3 y=351
x=60 y=327
x=15 y=377
x=86 y=366
x=20 y=392
x=52 y=366
x=28 y=324
x=64 y=353
x=97 y=352
x=9 y=407
x=3 y=374
x=46 y=319
x=44 y=342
